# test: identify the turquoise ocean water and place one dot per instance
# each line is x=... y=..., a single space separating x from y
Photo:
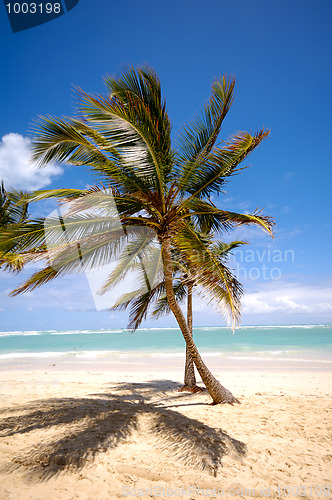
x=298 y=342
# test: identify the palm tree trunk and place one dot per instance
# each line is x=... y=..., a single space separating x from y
x=189 y=371
x=218 y=393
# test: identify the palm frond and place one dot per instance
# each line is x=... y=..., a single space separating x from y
x=10 y=261
x=143 y=86
x=204 y=214
x=139 y=308
x=199 y=137
x=218 y=284
x=134 y=119
x=77 y=143
x=25 y=236
x=161 y=307
x=210 y=176
x=13 y=206
x=224 y=219
x=141 y=254
x=36 y=280
x=68 y=194
x=224 y=250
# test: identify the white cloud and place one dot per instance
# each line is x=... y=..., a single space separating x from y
x=282 y=298
x=277 y=302
x=16 y=169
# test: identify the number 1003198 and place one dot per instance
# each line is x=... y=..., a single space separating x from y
x=33 y=8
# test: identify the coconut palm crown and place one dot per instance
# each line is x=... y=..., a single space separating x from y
x=125 y=138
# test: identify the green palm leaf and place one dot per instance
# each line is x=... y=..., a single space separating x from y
x=199 y=137
x=208 y=270
x=143 y=255
x=221 y=163
x=37 y=279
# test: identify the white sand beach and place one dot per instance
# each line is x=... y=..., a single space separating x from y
x=98 y=433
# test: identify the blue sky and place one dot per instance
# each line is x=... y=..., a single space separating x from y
x=280 y=54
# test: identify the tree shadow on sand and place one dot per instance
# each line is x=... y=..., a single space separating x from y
x=93 y=425
x=156 y=392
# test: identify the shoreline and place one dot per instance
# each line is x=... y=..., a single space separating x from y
x=155 y=362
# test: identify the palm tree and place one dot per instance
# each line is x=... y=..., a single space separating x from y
x=139 y=301
x=125 y=138
x=13 y=210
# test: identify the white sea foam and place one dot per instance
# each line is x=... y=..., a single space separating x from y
x=314 y=360
x=57 y=354
x=21 y=355
x=265 y=327
x=22 y=333
x=158 y=328
x=142 y=330
x=57 y=332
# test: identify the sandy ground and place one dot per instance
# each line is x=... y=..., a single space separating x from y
x=103 y=434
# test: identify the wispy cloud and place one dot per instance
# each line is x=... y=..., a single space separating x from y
x=16 y=169
x=289 y=175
